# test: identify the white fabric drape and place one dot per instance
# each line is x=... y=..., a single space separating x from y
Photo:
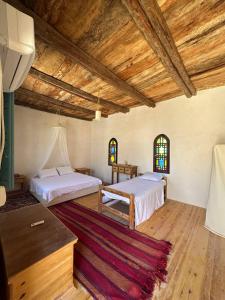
x=215 y=214
x=56 y=151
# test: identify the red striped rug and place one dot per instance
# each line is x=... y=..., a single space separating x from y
x=112 y=261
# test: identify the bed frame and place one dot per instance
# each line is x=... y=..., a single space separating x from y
x=130 y=217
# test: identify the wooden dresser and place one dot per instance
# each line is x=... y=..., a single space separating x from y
x=123 y=169
x=38 y=260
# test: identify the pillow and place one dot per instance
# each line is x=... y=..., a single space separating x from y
x=65 y=170
x=152 y=176
x=47 y=173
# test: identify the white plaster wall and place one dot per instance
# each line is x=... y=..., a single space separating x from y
x=193 y=126
x=32 y=129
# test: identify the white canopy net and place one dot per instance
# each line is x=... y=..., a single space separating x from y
x=57 y=151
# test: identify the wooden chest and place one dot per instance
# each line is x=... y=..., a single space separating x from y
x=38 y=260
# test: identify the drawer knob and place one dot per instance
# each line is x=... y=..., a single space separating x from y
x=22 y=283
x=22 y=296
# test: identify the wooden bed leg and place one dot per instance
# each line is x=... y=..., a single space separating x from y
x=165 y=189
x=100 y=199
x=131 y=212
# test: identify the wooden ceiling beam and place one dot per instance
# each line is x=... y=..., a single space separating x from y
x=56 y=40
x=48 y=110
x=77 y=92
x=35 y=97
x=149 y=19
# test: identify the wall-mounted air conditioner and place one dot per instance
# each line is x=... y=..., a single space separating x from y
x=17 y=47
x=17 y=50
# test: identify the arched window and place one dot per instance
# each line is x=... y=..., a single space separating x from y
x=113 y=151
x=161 y=156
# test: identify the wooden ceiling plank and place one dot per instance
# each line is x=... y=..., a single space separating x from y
x=209 y=78
x=75 y=91
x=160 y=25
x=39 y=97
x=154 y=28
x=48 y=110
x=56 y=40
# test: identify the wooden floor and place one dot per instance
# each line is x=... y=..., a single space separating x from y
x=197 y=263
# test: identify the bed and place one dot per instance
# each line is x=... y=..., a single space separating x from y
x=57 y=189
x=142 y=197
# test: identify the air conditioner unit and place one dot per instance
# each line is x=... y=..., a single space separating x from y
x=17 y=50
x=17 y=47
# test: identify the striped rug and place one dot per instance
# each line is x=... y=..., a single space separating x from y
x=112 y=261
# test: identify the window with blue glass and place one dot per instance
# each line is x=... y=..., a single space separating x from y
x=161 y=155
x=113 y=151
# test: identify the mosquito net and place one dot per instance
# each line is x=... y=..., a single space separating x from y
x=57 y=151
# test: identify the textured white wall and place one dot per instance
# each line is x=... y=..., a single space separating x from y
x=32 y=129
x=193 y=126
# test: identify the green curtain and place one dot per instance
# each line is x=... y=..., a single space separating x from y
x=7 y=167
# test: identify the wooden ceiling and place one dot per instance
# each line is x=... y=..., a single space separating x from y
x=127 y=52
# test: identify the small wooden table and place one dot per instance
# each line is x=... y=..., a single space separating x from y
x=123 y=169
x=38 y=260
x=86 y=171
x=21 y=180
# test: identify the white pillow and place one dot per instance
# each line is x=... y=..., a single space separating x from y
x=47 y=173
x=65 y=170
x=152 y=176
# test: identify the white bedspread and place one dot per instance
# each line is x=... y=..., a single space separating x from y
x=149 y=196
x=51 y=187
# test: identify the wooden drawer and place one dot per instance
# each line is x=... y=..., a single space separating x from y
x=46 y=279
x=134 y=170
x=121 y=169
x=115 y=169
x=128 y=171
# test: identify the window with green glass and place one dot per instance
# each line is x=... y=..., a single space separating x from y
x=113 y=151
x=161 y=156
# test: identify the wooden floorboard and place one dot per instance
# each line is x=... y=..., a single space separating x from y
x=196 y=268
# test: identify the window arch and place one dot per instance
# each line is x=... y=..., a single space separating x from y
x=161 y=155
x=113 y=151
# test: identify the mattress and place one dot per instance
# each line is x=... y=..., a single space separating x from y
x=149 y=196
x=70 y=185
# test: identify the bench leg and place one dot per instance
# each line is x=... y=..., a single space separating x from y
x=131 y=213
x=100 y=200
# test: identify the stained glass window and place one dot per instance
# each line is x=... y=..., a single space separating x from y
x=113 y=151
x=161 y=158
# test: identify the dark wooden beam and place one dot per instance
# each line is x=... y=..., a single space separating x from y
x=75 y=91
x=150 y=21
x=35 y=97
x=48 y=110
x=56 y=40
